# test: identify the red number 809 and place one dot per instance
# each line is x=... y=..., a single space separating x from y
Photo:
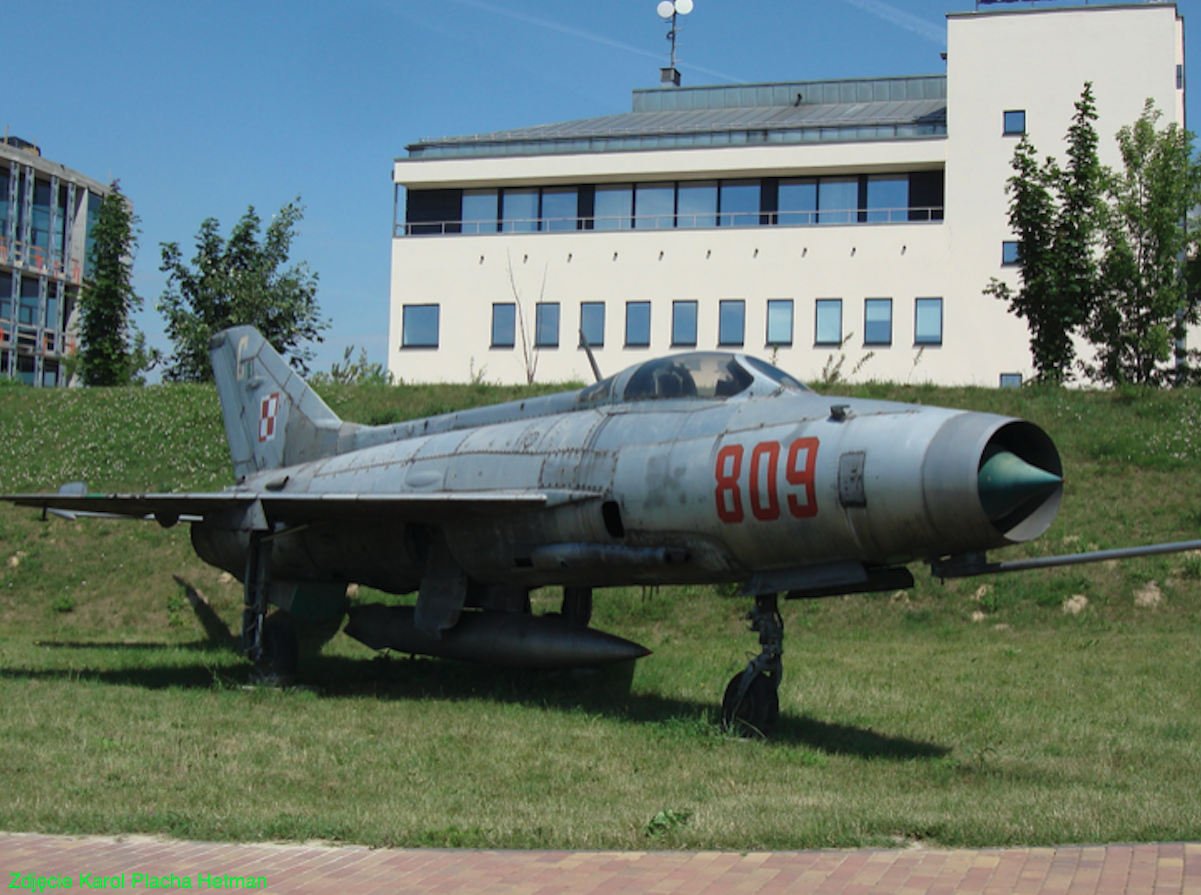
x=763 y=481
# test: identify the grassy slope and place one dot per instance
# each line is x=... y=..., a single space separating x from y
x=903 y=717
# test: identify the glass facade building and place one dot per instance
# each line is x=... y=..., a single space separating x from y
x=47 y=213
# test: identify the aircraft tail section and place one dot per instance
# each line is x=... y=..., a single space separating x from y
x=272 y=417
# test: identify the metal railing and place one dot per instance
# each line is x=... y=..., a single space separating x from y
x=39 y=260
x=706 y=220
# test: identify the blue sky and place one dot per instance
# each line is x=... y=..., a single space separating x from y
x=202 y=109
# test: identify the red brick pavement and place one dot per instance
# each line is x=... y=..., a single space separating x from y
x=1103 y=870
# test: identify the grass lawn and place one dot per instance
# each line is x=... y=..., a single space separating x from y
x=977 y=712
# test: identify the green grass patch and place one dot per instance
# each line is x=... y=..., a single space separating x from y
x=975 y=712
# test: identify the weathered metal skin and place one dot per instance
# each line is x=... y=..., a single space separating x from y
x=654 y=464
x=698 y=468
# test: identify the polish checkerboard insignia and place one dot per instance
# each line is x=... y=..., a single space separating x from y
x=267 y=414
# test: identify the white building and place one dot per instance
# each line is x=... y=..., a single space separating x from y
x=775 y=219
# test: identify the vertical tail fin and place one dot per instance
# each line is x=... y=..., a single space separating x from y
x=272 y=417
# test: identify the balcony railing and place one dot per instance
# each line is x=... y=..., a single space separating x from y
x=708 y=220
x=32 y=340
x=38 y=259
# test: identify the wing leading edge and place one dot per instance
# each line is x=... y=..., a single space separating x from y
x=301 y=507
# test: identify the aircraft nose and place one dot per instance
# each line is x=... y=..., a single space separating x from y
x=1006 y=481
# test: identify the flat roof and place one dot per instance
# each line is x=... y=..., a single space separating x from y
x=682 y=117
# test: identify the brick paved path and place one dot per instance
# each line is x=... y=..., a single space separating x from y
x=1107 y=870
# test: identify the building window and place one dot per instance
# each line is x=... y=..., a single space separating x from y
x=927 y=321
x=1015 y=123
x=797 y=202
x=739 y=203
x=683 y=324
x=546 y=325
x=27 y=308
x=731 y=322
x=887 y=199
x=655 y=206
x=827 y=326
x=838 y=200
x=592 y=323
x=519 y=211
x=3 y=200
x=504 y=325
x=613 y=207
x=419 y=326
x=664 y=205
x=1011 y=380
x=480 y=209
x=40 y=231
x=1180 y=77
x=6 y=295
x=93 y=214
x=1011 y=252
x=638 y=324
x=697 y=204
x=560 y=209
x=779 y=321
x=877 y=321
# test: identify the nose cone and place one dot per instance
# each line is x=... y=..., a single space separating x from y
x=1006 y=482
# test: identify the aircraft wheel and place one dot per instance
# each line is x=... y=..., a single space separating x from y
x=759 y=710
x=280 y=658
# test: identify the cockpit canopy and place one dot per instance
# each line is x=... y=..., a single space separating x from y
x=699 y=374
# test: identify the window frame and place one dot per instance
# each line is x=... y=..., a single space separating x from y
x=405 y=343
x=723 y=339
x=918 y=339
x=676 y=342
x=543 y=339
x=592 y=305
x=632 y=307
x=512 y=308
x=655 y=219
x=702 y=216
x=515 y=195
x=728 y=191
x=476 y=225
x=779 y=343
x=550 y=224
x=869 y=341
x=834 y=303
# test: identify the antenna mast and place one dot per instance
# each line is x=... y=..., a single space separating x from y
x=670 y=9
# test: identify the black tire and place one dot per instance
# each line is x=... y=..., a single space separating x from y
x=759 y=710
x=280 y=658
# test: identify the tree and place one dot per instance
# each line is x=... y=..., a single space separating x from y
x=1056 y=214
x=112 y=352
x=240 y=281
x=1076 y=242
x=1146 y=301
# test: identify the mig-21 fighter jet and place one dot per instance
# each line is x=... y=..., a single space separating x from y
x=698 y=468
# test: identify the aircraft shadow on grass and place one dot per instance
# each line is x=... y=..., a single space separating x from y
x=604 y=693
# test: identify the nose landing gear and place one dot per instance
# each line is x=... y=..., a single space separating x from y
x=751 y=705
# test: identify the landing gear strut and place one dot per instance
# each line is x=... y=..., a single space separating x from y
x=751 y=705
x=270 y=643
x=577 y=605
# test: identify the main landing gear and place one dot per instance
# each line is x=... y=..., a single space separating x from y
x=269 y=642
x=751 y=705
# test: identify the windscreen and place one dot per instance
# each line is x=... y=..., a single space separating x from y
x=688 y=376
x=775 y=374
